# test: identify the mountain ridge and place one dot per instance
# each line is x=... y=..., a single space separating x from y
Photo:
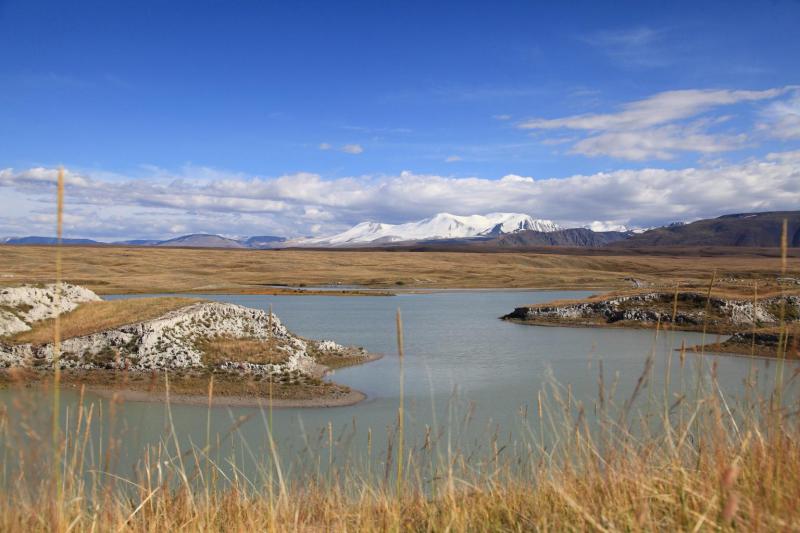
x=192 y=240
x=436 y=227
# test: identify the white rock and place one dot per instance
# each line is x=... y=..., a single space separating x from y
x=329 y=346
x=20 y=306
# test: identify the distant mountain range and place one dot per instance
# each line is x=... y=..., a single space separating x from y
x=44 y=240
x=195 y=240
x=498 y=231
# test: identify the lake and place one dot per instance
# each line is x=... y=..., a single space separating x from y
x=466 y=373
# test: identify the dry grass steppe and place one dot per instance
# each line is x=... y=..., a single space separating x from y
x=112 y=270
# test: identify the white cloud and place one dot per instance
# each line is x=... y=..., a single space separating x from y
x=633 y=47
x=660 y=108
x=606 y=225
x=782 y=119
x=501 y=117
x=347 y=148
x=640 y=36
x=304 y=203
x=655 y=127
x=657 y=143
x=352 y=149
x=555 y=141
x=452 y=159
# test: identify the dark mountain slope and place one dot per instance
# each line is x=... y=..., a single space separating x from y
x=745 y=229
x=263 y=241
x=578 y=237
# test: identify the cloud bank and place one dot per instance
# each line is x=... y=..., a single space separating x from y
x=671 y=122
x=161 y=204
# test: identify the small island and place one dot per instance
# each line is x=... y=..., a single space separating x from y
x=766 y=326
x=204 y=351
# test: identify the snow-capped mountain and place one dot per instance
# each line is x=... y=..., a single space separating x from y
x=440 y=226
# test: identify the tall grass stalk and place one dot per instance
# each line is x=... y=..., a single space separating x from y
x=56 y=430
x=401 y=408
x=782 y=329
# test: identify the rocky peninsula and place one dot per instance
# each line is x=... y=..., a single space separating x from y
x=756 y=326
x=249 y=353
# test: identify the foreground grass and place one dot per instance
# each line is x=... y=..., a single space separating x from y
x=92 y=317
x=702 y=465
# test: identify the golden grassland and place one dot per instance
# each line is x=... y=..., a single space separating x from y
x=110 y=270
x=91 y=317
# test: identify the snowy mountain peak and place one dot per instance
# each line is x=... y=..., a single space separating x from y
x=439 y=226
x=514 y=222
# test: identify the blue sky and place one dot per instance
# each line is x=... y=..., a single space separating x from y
x=301 y=118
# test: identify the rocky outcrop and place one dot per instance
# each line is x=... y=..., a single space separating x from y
x=20 y=306
x=172 y=342
x=694 y=310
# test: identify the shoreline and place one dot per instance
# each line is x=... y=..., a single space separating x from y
x=715 y=348
x=603 y=325
x=721 y=349
x=278 y=291
x=128 y=394
x=363 y=291
x=320 y=370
